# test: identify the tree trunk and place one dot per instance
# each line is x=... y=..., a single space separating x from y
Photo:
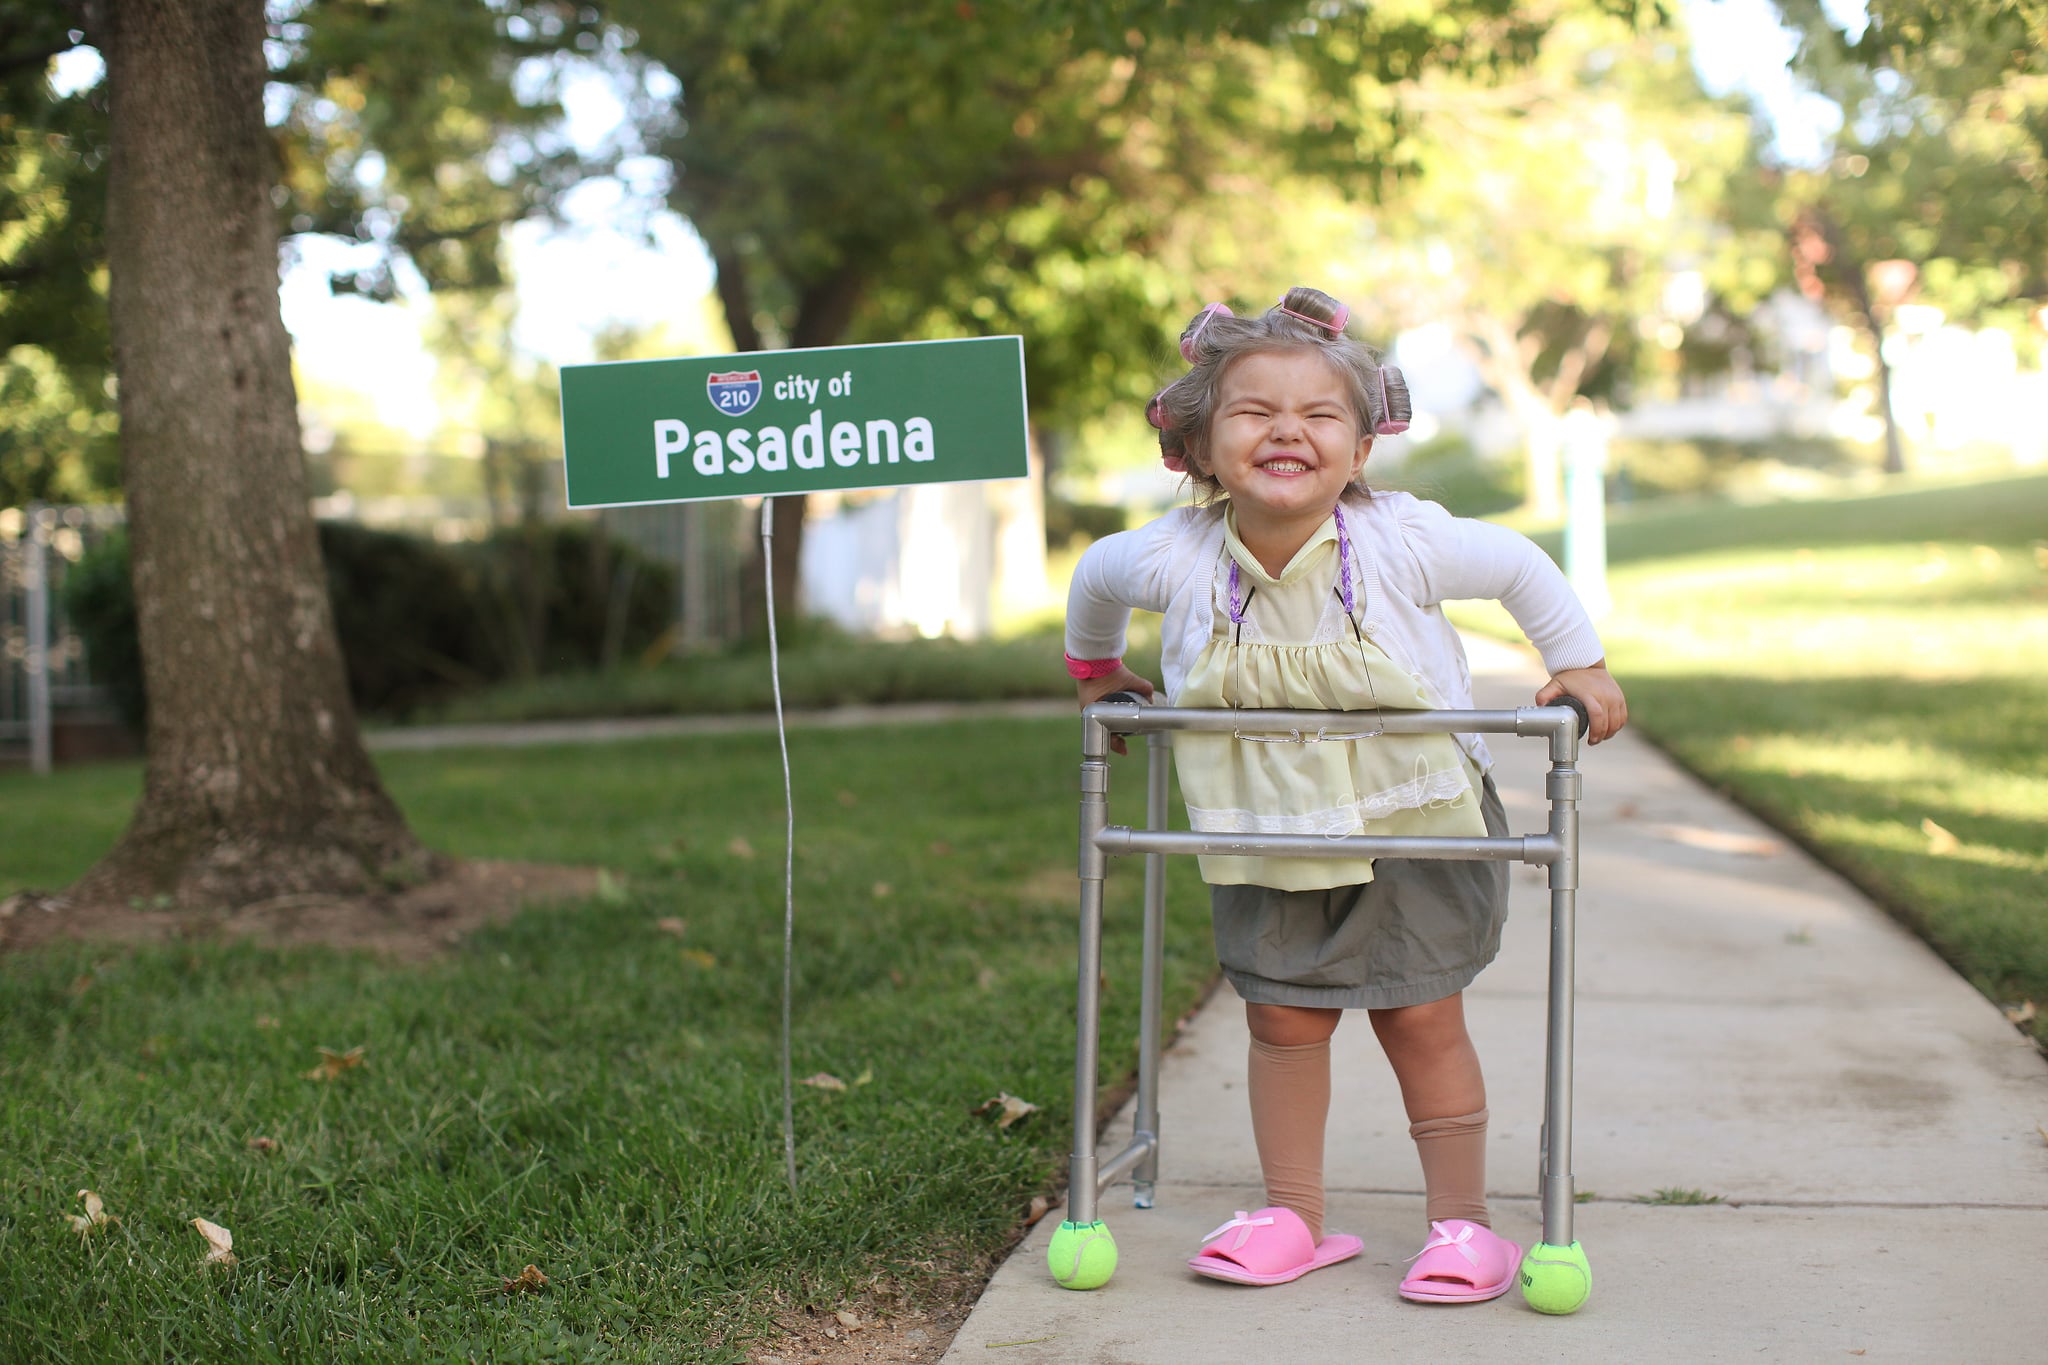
x=1504 y=361
x=257 y=783
x=1894 y=446
x=824 y=312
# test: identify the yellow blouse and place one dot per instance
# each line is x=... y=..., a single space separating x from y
x=1297 y=647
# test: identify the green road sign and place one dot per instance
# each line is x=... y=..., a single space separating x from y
x=773 y=422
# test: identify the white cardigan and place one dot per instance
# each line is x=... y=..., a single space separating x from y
x=1408 y=556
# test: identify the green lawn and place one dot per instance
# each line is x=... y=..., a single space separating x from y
x=581 y=1089
x=1871 y=675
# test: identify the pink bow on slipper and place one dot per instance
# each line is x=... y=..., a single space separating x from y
x=1244 y=1223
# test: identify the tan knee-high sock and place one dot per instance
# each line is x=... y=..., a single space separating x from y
x=1290 y=1098
x=1453 y=1153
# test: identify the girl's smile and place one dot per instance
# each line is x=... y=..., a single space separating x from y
x=1284 y=444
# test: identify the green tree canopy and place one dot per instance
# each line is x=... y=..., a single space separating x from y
x=1547 y=213
x=419 y=130
x=1932 y=189
x=980 y=165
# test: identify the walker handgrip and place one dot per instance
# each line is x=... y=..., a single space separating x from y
x=1585 y=719
x=1131 y=697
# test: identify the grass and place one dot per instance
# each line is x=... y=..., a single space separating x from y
x=1871 y=676
x=579 y=1089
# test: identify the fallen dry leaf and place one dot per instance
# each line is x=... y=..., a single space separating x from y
x=1040 y=1206
x=220 y=1243
x=823 y=1081
x=2042 y=1129
x=333 y=1064
x=882 y=890
x=264 y=1145
x=739 y=847
x=528 y=1281
x=672 y=924
x=697 y=957
x=95 y=1215
x=866 y=1077
x=847 y=798
x=1008 y=1109
x=850 y=1321
x=1939 y=841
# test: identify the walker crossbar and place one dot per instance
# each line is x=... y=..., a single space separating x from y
x=1557 y=849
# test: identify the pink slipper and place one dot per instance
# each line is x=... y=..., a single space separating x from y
x=1461 y=1263
x=1271 y=1246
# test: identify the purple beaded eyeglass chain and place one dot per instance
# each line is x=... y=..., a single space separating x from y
x=1343 y=573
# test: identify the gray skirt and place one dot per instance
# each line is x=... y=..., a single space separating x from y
x=1420 y=930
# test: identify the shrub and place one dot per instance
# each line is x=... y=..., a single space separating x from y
x=1066 y=522
x=406 y=618
x=556 y=598
x=99 y=601
x=1449 y=471
x=419 y=622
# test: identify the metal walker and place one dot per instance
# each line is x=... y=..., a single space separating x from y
x=1554 y=1270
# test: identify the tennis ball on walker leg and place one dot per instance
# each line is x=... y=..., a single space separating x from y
x=1082 y=1255
x=1556 y=1279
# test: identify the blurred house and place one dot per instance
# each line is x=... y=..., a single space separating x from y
x=930 y=559
x=1955 y=390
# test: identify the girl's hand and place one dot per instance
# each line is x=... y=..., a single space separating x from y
x=1093 y=690
x=1595 y=687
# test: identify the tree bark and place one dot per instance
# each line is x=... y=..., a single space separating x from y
x=824 y=312
x=1505 y=361
x=256 y=783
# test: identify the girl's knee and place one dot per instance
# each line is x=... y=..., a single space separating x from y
x=1437 y=1024
x=1291 y=1025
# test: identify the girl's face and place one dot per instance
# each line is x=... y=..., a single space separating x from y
x=1284 y=441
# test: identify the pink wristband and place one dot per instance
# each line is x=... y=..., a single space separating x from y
x=1092 y=668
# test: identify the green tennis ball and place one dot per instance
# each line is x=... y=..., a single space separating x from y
x=1082 y=1255
x=1556 y=1279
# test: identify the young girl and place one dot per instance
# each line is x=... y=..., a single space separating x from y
x=1289 y=584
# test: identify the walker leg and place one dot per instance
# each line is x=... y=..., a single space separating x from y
x=1158 y=761
x=1081 y=1192
x=1559 y=1196
x=1554 y=1273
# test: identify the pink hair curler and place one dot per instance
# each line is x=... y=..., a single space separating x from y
x=1335 y=324
x=1395 y=407
x=1195 y=329
x=1172 y=452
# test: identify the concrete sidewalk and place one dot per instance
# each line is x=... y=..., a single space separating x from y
x=1749 y=1027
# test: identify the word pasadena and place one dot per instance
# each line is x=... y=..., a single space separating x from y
x=769 y=449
